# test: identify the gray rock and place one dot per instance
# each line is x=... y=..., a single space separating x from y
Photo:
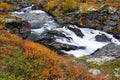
x=111 y=49
x=56 y=33
x=106 y=54
x=112 y=23
x=102 y=38
x=59 y=46
x=114 y=17
x=53 y=35
x=95 y=71
x=33 y=37
x=118 y=12
x=76 y=31
x=22 y=28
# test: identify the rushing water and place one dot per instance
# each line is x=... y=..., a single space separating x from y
x=42 y=22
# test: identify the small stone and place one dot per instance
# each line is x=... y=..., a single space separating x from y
x=95 y=71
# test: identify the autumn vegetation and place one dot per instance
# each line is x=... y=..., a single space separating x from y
x=25 y=60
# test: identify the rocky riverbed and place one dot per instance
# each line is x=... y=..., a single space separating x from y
x=68 y=38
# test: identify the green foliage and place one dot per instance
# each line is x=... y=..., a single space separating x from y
x=19 y=66
x=84 y=58
x=5 y=76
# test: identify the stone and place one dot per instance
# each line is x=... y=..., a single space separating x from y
x=111 y=49
x=33 y=37
x=95 y=71
x=112 y=23
x=100 y=60
x=22 y=28
x=102 y=38
x=58 y=46
x=114 y=17
x=76 y=31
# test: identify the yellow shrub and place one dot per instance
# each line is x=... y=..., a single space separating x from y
x=69 y=5
x=50 y=5
x=5 y=6
x=2 y=19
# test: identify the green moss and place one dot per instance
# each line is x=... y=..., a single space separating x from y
x=84 y=58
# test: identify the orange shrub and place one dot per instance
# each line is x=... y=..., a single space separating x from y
x=84 y=7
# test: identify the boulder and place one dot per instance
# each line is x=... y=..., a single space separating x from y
x=76 y=31
x=111 y=49
x=56 y=33
x=59 y=46
x=106 y=54
x=102 y=38
x=22 y=28
x=53 y=35
x=33 y=37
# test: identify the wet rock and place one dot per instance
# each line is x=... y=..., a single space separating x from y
x=102 y=38
x=111 y=49
x=53 y=35
x=76 y=31
x=56 y=33
x=22 y=28
x=33 y=37
x=48 y=39
x=59 y=46
x=106 y=54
